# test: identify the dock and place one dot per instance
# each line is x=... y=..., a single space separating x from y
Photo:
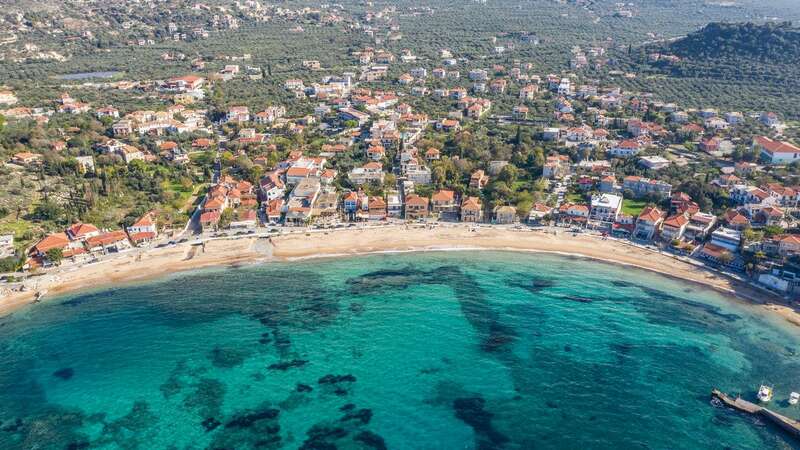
x=788 y=425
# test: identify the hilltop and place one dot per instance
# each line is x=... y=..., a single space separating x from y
x=779 y=42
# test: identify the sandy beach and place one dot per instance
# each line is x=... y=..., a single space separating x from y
x=155 y=262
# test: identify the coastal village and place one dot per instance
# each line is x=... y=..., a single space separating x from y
x=615 y=164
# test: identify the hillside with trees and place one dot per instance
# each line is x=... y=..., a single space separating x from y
x=770 y=42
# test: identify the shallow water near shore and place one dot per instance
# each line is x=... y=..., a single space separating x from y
x=470 y=349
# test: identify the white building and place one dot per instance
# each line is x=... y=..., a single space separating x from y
x=726 y=237
x=605 y=207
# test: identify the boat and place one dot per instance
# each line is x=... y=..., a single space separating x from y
x=794 y=397
x=765 y=393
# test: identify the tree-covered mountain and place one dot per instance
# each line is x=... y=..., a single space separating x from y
x=779 y=42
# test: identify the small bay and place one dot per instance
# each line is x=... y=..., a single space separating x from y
x=471 y=349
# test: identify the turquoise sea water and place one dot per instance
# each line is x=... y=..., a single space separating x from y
x=411 y=351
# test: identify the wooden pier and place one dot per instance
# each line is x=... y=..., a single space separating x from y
x=791 y=426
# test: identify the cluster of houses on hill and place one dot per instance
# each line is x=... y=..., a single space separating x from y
x=84 y=240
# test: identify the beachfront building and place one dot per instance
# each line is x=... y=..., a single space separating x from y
x=369 y=172
x=674 y=227
x=143 y=230
x=648 y=223
x=416 y=207
x=394 y=205
x=110 y=242
x=505 y=215
x=605 y=207
x=727 y=238
x=700 y=224
x=82 y=231
x=471 y=210
x=444 y=201
x=301 y=202
x=377 y=208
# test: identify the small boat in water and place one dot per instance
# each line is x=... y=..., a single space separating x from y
x=765 y=393
x=794 y=397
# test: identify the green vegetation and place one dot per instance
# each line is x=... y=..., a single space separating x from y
x=633 y=207
x=739 y=66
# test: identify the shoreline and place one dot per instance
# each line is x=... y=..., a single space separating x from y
x=151 y=263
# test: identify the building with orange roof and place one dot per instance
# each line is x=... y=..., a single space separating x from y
x=82 y=231
x=416 y=207
x=471 y=210
x=55 y=240
x=648 y=224
x=444 y=201
x=674 y=226
x=112 y=241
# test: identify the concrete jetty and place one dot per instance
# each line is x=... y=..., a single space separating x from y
x=791 y=426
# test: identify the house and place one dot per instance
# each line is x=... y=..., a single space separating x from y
x=394 y=206
x=528 y=92
x=143 y=230
x=112 y=241
x=478 y=179
x=674 y=227
x=244 y=218
x=377 y=208
x=727 y=238
x=444 y=201
x=376 y=152
x=432 y=154
x=108 y=111
x=710 y=144
x=505 y=215
x=416 y=207
x=736 y=220
x=273 y=209
x=82 y=231
x=776 y=152
x=769 y=119
x=209 y=220
x=573 y=213
x=700 y=224
x=238 y=114
x=605 y=207
x=715 y=253
x=769 y=215
x=130 y=153
x=551 y=134
x=353 y=114
x=653 y=162
x=299 y=208
x=648 y=223
x=520 y=112
x=419 y=174
x=448 y=125
x=641 y=186
x=538 y=212
x=26 y=158
x=55 y=240
x=625 y=148
x=272 y=186
x=471 y=210
x=185 y=83
x=370 y=172
x=784 y=245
